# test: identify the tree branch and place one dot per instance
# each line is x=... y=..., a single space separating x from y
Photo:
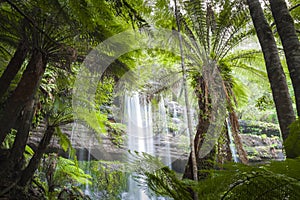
x=294 y=7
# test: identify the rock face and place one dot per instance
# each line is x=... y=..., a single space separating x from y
x=262 y=141
x=259 y=128
x=262 y=148
x=261 y=144
x=91 y=146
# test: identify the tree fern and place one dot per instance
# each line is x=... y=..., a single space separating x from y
x=275 y=180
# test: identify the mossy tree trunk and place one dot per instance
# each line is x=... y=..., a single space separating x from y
x=201 y=91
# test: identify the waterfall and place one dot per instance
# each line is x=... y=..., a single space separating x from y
x=74 y=126
x=83 y=154
x=139 y=124
x=87 y=190
x=231 y=143
x=140 y=115
x=138 y=118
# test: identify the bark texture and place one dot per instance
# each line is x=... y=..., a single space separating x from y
x=291 y=45
x=13 y=67
x=24 y=93
x=235 y=129
x=203 y=124
x=28 y=173
x=16 y=161
x=281 y=96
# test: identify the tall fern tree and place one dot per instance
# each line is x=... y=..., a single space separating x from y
x=217 y=26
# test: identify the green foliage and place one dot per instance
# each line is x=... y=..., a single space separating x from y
x=104 y=92
x=68 y=172
x=295 y=12
x=93 y=119
x=9 y=140
x=275 y=180
x=60 y=177
x=108 y=178
x=166 y=183
x=116 y=131
x=65 y=142
x=264 y=102
x=236 y=181
x=151 y=174
x=292 y=143
x=259 y=128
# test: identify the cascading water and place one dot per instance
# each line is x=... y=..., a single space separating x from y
x=139 y=124
x=138 y=118
x=83 y=154
x=87 y=190
x=140 y=115
x=231 y=143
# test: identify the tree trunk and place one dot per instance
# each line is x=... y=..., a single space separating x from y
x=291 y=45
x=203 y=124
x=281 y=96
x=15 y=161
x=13 y=67
x=235 y=129
x=24 y=93
x=223 y=148
x=35 y=160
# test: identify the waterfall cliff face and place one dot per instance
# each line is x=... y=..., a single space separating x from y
x=164 y=132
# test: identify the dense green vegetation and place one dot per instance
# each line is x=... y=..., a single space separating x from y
x=233 y=62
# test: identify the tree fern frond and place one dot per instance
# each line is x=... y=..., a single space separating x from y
x=231 y=28
x=197 y=11
x=241 y=92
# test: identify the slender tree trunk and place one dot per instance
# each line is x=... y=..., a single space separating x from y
x=281 y=96
x=35 y=160
x=15 y=161
x=13 y=67
x=188 y=107
x=291 y=45
x=189 y=119
x=24 y=93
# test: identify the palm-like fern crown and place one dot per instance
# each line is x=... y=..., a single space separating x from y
x=219 y=26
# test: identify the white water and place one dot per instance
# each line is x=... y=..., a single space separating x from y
x=231 y=143
x=87 y=142
x=138 y=117
x=87 y=190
